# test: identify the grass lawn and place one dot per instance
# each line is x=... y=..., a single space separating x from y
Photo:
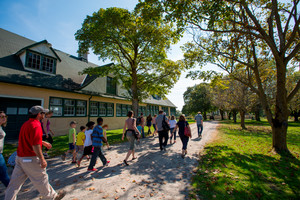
x=60 y=143
x=240 y=165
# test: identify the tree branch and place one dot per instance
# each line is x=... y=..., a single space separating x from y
x=294 y=92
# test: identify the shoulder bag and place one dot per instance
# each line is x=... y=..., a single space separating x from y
x=187 y=131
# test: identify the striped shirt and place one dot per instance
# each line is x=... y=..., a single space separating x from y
x=97 y=134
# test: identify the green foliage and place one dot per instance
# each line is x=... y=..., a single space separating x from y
x=197 y=98
x=137 y=45
x=240 y=165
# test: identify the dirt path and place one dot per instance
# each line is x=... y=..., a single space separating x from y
x=154 y=175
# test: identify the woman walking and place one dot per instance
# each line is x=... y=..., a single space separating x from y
x=3 y=169
x=130 y=124
x=172 y=123
x=48 y=132
x=181 y=124
x=149 y=119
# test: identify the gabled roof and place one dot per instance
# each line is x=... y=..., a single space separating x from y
x=36 y=44
x=66 y=77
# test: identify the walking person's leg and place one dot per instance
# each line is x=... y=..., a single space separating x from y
x=166 y=136
x=171 y=132
x=198 y=127
x=175 y=136
x=93 y=159
x=160 y=138
x=101 y=156
x=4 y=178
x=143 y=132
x=201 y=127
x=18 y=178
x=39 y=178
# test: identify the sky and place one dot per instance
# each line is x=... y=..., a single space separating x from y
x=58 y=20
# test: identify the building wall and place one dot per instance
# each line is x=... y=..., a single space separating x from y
x=60 y=125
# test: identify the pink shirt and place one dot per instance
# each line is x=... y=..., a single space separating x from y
x=130 y=122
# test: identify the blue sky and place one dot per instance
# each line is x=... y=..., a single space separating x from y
x=58 y=20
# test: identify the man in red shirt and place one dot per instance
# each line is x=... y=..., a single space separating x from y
x=30 y=162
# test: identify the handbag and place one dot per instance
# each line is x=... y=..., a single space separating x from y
x=135 y=133
x=187 y=131
x=165 y=125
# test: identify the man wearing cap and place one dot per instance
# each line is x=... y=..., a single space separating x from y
x=199 y=121
x=30 y=162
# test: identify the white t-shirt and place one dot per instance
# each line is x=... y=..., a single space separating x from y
x=88 y=139
x=172 y=123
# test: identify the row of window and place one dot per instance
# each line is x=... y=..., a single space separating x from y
x=72 y=107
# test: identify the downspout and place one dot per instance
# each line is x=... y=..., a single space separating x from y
x=89 y=108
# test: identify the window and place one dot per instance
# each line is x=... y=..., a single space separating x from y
x=142 y=109
x=40 y=62
x=110 y=109
x=122 y=110
x=119 y=110
x=67 y=107
x=111 y=86
x=102 y=109
x=56 y=106
x=81 y=108
x=94 y=109
x=173 y=111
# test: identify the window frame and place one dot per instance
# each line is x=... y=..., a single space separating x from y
x=106 y=104
x=62 y=106
x=42 y=60
x=111 y=86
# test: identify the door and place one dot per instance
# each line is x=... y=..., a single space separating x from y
x=17 y=112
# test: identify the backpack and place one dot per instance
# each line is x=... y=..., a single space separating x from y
x=165 y=125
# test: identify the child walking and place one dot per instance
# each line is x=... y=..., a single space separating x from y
x=97 y=138
x=79 y=144
x=105 y=127
x=87 y=143
x=72 y=141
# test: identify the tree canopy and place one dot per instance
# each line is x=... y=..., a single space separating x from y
x=240 y=36
x=138 y=47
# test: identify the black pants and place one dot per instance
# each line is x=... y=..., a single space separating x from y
x=161 y=135
x=49 y=139
x=97 y=153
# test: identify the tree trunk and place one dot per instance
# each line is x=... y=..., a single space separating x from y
x=234 y=113
x=222 y=114
x=257 y=115
x=295 y=114
x=135 y=98
x=229 y=115
x=242 y=113
x=204 y=116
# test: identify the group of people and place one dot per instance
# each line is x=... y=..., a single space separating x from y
x=36 y=132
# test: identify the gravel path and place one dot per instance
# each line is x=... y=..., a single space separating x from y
x=154 y=175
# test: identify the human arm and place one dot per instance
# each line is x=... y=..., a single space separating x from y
x=190 y=130
x=51 y=132
x=124 y=130
x=175 y=129
x=74 y=136
x=46 y=144
x=38 y=151
x=44 y=127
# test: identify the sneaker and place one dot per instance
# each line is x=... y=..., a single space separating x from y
x=92 y=170
x=63 y=156
x=60 y=195
x=107 y=162
x=74 y=161
x=125 y=162
x=78 y=164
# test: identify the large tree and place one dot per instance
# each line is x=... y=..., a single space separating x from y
x=198 y=98
x=242 y=34
x=138 y=47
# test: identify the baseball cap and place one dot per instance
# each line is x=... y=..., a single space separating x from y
x=73 y=122
x=37 y=109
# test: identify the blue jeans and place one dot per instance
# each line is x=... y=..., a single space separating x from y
x=97 y=152
x=3 y=171
x=171 y=130
x=200 y=129
x=184 y=140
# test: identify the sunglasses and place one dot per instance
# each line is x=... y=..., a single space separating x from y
x=42 y=112
x=2 y=117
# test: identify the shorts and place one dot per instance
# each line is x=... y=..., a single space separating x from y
x=79 y=148
x=71 y=146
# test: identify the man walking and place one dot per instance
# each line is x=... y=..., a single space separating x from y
x=30 y=162
x=162 y=133
x=199 y=121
